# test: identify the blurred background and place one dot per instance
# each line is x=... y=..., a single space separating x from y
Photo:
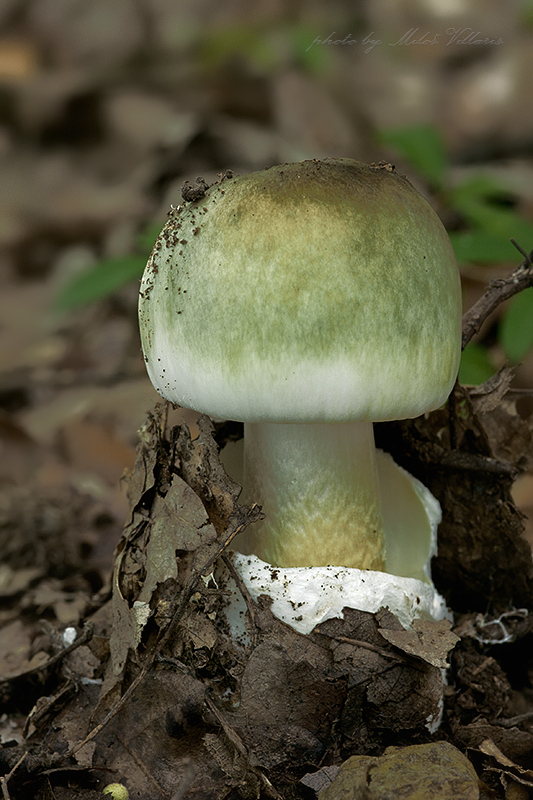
x=108 y=106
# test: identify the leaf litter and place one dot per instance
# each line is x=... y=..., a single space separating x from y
x=163 y=698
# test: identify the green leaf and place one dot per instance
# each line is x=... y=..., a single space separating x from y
x=423 y=147
x=498 y=221
x=481 y=247
x=479 y=201
x=239 y=41
x=100 y=281
x=476 y=365
x=526 y=13
x=313 y=57
x=475 y=189
x=146 y=239
x=515 y=332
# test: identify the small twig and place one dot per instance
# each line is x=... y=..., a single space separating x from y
x=186 y=782
x=497 y=291
x=107 y=719
x=6 y=778
x=86 y=636
x=366 y=645
x=245 y=593
x=232 y=736
x=244 y=518
x=511 y=722
x=39 y=711
x=241 y=748
x=465 y=462
x=520 y=392
x=472 y=462
x=522 y=251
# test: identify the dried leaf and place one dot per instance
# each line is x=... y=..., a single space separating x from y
x=179 y=523
x=488 y=747
x=512 y=770
x=427 y=639
x=287 y=705
x=199 y=630
x=125 y=635
x=510 y=432
x=397 y=694
x=148 y=454
x=517 y=744
x=201 y=468
x=489 y=395
x=320 y=780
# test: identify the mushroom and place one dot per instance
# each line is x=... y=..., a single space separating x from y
x=308 y=300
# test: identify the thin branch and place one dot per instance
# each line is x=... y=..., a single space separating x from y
x=241 y=748
x=366 y=646
x=496 y=293
x=114 y=711
x=85 y=637
x=187 y=780
x=244 y=517
x=245 y=594
x=6 y=778
x=511 y=722
x=522 y=251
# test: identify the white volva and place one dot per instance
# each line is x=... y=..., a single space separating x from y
x=305 y=596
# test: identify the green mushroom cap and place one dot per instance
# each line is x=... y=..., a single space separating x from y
x=320 y=291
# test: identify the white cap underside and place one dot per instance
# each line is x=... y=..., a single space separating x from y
x=334 y=391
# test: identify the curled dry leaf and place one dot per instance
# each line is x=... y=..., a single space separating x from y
x=515 y=743
x=163 y=523
x=427 y=639
x=489 y=395
x=505 y=765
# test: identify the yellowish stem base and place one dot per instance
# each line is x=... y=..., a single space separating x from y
x=318 y=486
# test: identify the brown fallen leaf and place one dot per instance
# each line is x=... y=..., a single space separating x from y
x=395 y=693
x=320 y=780
x=179 y=524
x=91 y=447
x=505 y=765
x=427 y=639
x=16 y=650
x=516 y=743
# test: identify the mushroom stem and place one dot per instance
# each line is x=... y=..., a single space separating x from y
x=319 y=489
